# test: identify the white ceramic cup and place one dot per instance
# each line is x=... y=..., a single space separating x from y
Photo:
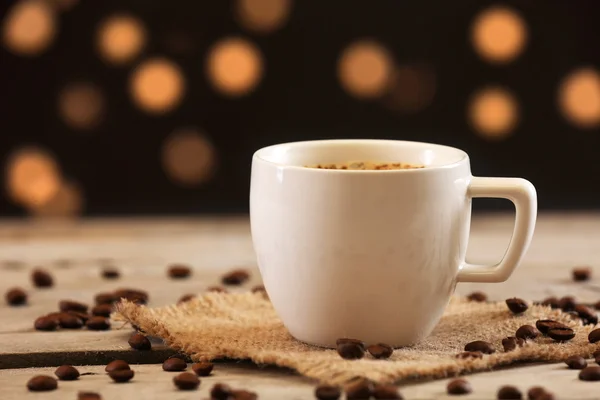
x=376 y=254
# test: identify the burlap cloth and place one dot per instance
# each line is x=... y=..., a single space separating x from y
x=245 y=326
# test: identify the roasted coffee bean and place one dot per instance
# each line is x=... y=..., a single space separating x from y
x=596 y=356
x=69 y=305
x=359 y=389
x=480 y=345
x=133 y=295
x=576 y=362
x=186 y=298
x=567 y=303
x=82 y=316
x=386 y=392
x=217 y=289
x=351 y=351
x=349 y=340
x=547 y=396
x=116 y=365
x=544 y=325
x=98 y=324
x=69 y=321
x=105 y=298
x=16 y=297
x=459 y=386
x=102 y=310
x=174 y=364
x=327 y=392
x=527 y=332
x=597 y=305
x=535 y=393
x=553 y=302
x=42 y=278
x=509 y=393
x=587 y=315
x=510 y=343
x=581 y=274
x=140 y=342
x=479 y=297
x=203 y=368
x=220 y=391
x=121 y=375
x=88 y=396
x=561 y=334
x=46 y=323
x=179 y=271
x=517 y=306
x=469 y=354
x=590 y=373
x=110 y=273
x=66 y=373
x=235 y=277
x=42 y=383
x=186 y=381
x=594 y=336
x=380 y=350
x=241 y=394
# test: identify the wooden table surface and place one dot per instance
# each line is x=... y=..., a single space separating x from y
x=142 y=250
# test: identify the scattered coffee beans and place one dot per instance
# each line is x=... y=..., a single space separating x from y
x=46 y=323
x=479 y=297
x=351 y=351
x=594 y=336
x=458 y=386
x=105 y=298
x=110 y=273
x=517 y=306
x=327 y=392
x=174 y=364
x=41 y=278
x=185 y=298
x=66 y=373
x=186 y=381
x=69 y=305
x=42 y=383
x=140 y=342
x=567 y=303
x=88 y=396
x=116 y=365
x=102 y=310
x=360 y=388
x=587 y=315
x=561 y=334
x=203 y=368
x=510 y=343
x=553 y=302
x=576 y=362
x=544 y=325
x=470 y=354
x=98 y=324
x=386 y=392
x=235 y=277
x=590 y=373
x=121 y=375
x=480 y=345
x=526 y=332
x=380 y=350
x=179 y=271
x=69 y=321
x=217 y=289
x=353 y=341
x=220 y=391
x=581 y=274
x=16 y=297
x=509 y=393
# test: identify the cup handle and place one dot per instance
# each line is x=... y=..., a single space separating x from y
x=523 y=195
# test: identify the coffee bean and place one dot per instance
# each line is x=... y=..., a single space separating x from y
x=240 y=394
x=69 y=305
x=587 y=315
x=16 y=297
x=547 y=396
x=567 y=303
x=386 y=392
x=576 y=362
x=82 y=316
x=509 y=393
x=470 y=354
x=561 y=334
x=535 y=393
x=479 y=297
x=174 y=364
x=544 y=325
x=140 y=342
x=110 y=273
x=480 y=345
x=88 y=396
x=178 y=271
x=69 y=321
x=327 y=392
x=42 y=383
x=41 y=278
x=220 y=391
x=186 y=381
x=102 y=310
x=359 y=389
x=597 y=305
x=526 y=332
x=590 y=373
x=217 y=289
x=510 y=343
x=203 y=368
x=98 y=324
x=459 y=386
x=351 y=351
x=594 y=336
x=133 y=295
x=516 y=305
x=596 y=356
x=380 y=350
x=116 y=365
x=121 y=375
x=235 y=277
x=553 y=302
x=105 y=298
x=352 y=341
x=186 y=298
x=581 y=274
x=46 y=323
x=66 y=373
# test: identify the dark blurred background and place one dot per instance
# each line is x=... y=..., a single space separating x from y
x=139 y=107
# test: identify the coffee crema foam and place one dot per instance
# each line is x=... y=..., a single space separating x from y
x=365 y=165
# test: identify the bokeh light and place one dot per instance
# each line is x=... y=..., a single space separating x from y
x=365 y=69
x=235 y=66
x=499 y=34
x=67 y=202
x=579 y=97
x=157 y=85
x=411 y=88
x=81 y=105
x=29 y=27
x=188 y=157
x=262 y=16
x=120 y=39
x=493 y=113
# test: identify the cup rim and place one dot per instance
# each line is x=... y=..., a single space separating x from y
x=259 y=155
